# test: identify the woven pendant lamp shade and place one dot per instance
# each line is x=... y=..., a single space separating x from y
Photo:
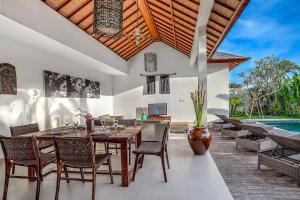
x=108 y=18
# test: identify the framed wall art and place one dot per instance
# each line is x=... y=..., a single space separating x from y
x=61 y=85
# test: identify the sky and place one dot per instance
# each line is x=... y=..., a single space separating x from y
x=266 y=27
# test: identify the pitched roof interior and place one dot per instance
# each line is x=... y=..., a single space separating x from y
x=173 y=20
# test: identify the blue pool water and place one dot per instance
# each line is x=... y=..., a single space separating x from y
x=290 y=125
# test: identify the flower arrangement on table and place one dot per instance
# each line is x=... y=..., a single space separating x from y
x=86 y=115
x=89 y=119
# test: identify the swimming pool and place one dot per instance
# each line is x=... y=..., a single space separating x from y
x=290 y=125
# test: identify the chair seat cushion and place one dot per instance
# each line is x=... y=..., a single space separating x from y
x=152 y=148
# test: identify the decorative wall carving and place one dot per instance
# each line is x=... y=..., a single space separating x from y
x=8 y=79
x=150 y=62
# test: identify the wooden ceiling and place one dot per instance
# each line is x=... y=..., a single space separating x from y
x=170 y=21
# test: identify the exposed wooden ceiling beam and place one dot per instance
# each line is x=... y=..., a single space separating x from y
x=187 y=31
x=159 y=17
x=184 y=49
x=169 y=43
x=188 y=4
x=216 y=22
x=225 y=6
x=220 y=15
x=118 y=43
x=146 y=44
x=185 y=11
x=143 y=7
x=173 y=23
x=128 y=48
x=62 y=5
x=164 y=27
x=184 y=34
x=128 y=30
x=69 y=9
x=213 y=28
x=159 y=10
x=174 y=20
x=162 y=23
x=123 y=47
x=135 y=49
x=181 y=40
x=184 y=23
x=165 y=36
x=231 y=22
x=81 y=14
x=186 y=40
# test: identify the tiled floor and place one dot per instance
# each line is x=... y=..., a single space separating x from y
x=190 y=178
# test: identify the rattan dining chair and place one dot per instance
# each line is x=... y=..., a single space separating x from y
x=23 y=151
x=78 y=153
x=153 y=131
x=29 y=128
x=152 y=148
x=26 y=129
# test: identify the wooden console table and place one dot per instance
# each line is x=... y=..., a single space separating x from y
x=159 y=118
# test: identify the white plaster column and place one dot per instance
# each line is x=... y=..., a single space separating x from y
x=198 y=56
x=202 y=67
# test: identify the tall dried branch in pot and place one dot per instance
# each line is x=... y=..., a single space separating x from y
x=198 y=98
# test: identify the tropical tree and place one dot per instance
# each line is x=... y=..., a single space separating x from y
x=289 y=96
x=234 y=102
x=265 y=80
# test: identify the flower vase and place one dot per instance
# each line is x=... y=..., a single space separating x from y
x=90 y=125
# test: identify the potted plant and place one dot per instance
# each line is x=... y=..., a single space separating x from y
x=199 y=137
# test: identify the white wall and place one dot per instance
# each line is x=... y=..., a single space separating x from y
x=128 y=90
x=29 y=105
x=217 y=91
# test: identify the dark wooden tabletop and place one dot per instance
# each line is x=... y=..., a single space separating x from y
x=98 y=134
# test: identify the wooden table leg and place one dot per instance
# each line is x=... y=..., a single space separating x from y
x=124 y=164
x=138 y=139
x=31 y=174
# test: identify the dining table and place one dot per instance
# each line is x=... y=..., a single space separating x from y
x=119 y=136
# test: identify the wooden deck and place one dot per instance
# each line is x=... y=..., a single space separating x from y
x=244 y=181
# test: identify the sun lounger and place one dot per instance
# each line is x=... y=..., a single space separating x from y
x=256 y=138
x=218 y=125
x=235 y=130
x=285 y=157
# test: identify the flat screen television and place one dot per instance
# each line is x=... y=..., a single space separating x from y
x=157 y=109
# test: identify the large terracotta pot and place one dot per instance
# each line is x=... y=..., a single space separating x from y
x=199 y=140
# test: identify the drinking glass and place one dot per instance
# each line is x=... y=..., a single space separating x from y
x=115 y=124
x=75 y=124
x=103 y=124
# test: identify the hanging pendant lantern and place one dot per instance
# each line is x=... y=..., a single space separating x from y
x=108 y=18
